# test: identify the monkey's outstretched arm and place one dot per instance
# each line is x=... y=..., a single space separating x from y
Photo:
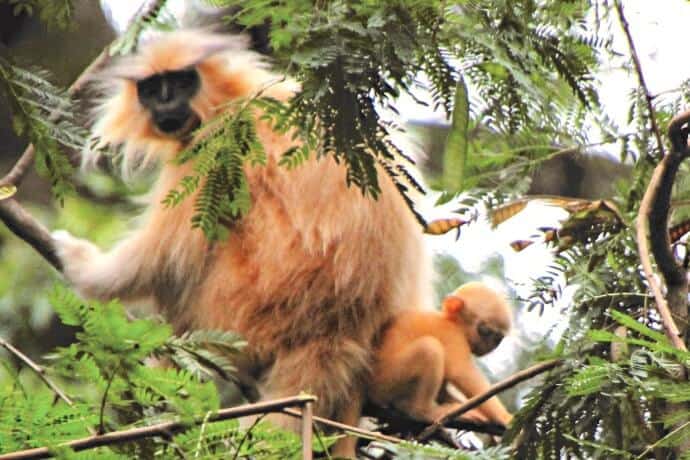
x=125 y=272
x=465 y=375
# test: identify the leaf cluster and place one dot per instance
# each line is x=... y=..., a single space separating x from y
x=44 y=114
x=113 y=385
x=219 y=177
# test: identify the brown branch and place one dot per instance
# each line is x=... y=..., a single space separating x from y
x=492 y=391
x=649 y=98
x=165 y=429
x=26 y=227
x=37 y=369
x=360 y=432
x=653 y=237
x=307 y=430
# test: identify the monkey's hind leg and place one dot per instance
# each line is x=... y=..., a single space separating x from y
x=411 y=380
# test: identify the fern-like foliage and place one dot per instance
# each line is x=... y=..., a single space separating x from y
x=205 y=353
x=44 y=114
x=219 y=160
x=351 y=58
x=529 y=68
x=621 y=370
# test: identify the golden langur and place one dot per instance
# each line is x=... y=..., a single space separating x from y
x=422 y=350
x=309 y=276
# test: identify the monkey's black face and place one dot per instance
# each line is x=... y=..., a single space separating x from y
x=486 y=340
x=166 y=95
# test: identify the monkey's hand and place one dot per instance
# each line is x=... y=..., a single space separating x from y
x=76 y=255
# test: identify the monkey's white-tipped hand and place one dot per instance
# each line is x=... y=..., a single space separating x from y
x=76 y=256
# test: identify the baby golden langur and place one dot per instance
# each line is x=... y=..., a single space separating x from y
x=421 y=350
x=309 y=276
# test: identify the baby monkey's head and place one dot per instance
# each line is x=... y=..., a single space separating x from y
x=482 y=312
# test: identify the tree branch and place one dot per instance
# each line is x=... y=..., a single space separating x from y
x=492 y=391
x=649 y=98
x=26 y=227
x=361 y=432
x=653 y=237
x=165 y=429
x=37 y=369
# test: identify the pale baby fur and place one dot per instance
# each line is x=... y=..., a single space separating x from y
x=309 y=276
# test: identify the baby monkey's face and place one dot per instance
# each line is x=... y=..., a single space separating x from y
x=167 y=96
x=485 y=338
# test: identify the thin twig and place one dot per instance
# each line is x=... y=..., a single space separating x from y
x=492 y=391
x=37 y=369
x=307 y=431
x=245 y=436
x=165 y=429
x=360 y=432
x=649 y=98
x=322 y=444
x=104 y=399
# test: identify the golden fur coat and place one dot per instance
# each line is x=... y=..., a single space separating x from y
x=308 y=276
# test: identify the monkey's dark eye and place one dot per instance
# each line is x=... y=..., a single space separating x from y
x=186 y=79
x=148 y=87
x=484 y=331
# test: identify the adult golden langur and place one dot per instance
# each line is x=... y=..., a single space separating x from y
x=309 y=276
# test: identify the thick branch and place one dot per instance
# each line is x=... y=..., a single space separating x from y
x=492 y=391
x=165 y=429
x=652 y=235
x=23 y=224
x=17 y=219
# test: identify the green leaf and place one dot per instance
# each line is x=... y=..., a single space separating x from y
x=455 y=153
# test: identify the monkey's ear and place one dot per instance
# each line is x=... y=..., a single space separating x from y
x=452 y=305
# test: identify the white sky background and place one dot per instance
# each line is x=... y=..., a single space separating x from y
x=659 y=29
